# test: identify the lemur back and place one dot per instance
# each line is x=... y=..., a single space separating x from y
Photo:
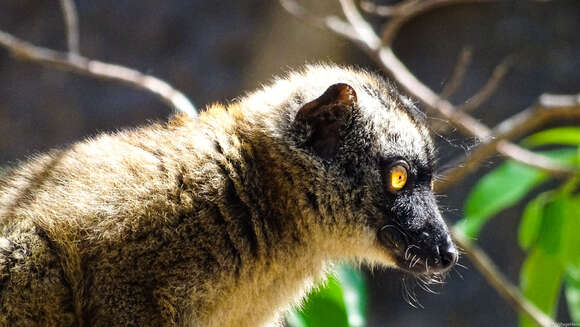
x=224 y=220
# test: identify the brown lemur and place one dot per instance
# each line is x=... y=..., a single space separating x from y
x=224 y=220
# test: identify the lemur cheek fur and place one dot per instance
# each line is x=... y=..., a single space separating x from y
x=225 y=220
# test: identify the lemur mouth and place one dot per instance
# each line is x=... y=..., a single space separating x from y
x=411 y=257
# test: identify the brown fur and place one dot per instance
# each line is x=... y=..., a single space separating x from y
x=218 y=221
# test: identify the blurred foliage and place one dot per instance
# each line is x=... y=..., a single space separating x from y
x=340 y=302
x=550 y=224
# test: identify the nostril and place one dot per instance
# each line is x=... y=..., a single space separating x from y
x=449 y=257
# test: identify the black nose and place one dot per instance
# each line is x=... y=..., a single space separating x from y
x=448 y=257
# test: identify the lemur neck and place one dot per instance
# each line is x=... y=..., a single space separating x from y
x=269 y=196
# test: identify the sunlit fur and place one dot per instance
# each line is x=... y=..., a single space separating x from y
x=223 y=220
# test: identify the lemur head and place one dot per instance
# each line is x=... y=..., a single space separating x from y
x=374 y=163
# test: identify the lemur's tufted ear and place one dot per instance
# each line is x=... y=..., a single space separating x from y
x=326 y=115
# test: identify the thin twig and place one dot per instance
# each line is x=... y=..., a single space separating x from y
x=407 y=6
x=364 y=30
x=455 y=81
x=410 y=9
x=489 y=87
x=496 y=279
x=387 y=11
x=463 y=60
x=479 y=97
x=331 y=22
x=79 y=64
x=548 y=108
x=69 y=13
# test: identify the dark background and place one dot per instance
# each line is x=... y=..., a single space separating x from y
x=217 y=50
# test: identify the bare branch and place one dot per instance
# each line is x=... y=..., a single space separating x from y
x=363 y=29
x=549 y=107
x=332 y=23
x=388 y=11
x=463 y=60
x=69 y=13
x=79 y=64
x=408 y=7
x=490 y=86
x=481 y=96
x=408 y=10
x=499 y=282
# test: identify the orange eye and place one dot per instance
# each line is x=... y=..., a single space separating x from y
x=397 y=177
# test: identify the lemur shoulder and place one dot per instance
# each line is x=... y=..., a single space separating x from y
x=224 y=220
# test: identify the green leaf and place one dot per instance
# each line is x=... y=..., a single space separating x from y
x=532 y=220
x=558 y=240
x=295 y=319
x=340 y=302
x=573 y=292
x=541 y=280
x=325 y=306
x=502 y=188
x=551 y=226
x=560 y=135
x=570 y=252
x=354 y=294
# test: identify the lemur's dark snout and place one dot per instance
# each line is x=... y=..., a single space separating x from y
x=417 y=237
x=422 y=253
x=436 y=246
x=448 y=256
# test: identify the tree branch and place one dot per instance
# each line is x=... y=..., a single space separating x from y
x=548 y=108
x=489 y=87
x=330 y=22
x=406 y=10
x=501 y=284
x=387 y=10
x=69 y=13
x=463 y=60
x=78 y=64
x=479 y=97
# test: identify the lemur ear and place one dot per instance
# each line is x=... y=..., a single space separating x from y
x=326 y=115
